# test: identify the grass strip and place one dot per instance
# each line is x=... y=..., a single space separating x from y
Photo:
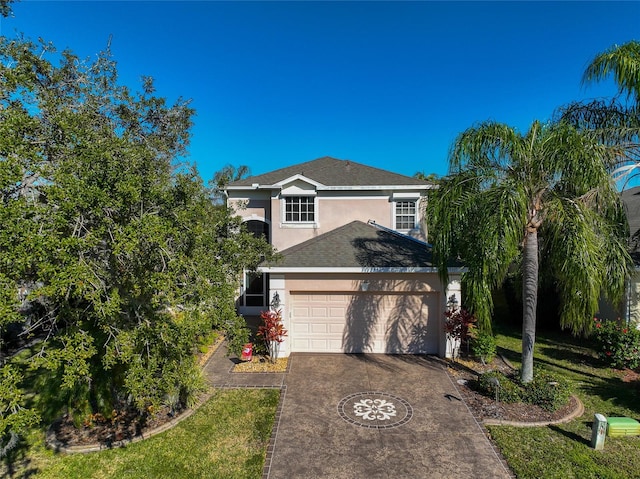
x=225 y=438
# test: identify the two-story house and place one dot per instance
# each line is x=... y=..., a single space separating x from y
x=355 y=273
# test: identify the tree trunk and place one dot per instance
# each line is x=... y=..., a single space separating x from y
x=529 y=302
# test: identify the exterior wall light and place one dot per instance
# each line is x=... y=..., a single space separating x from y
x=452 y=302
x=275 y=301
x=364 y=286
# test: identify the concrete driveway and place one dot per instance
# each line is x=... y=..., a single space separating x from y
x=366 y=417
x=376 y=416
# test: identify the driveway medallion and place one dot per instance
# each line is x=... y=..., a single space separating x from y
x=375 y=410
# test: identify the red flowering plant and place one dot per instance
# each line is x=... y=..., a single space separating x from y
x=619 y=345
x=272 y=331
x=459 y=325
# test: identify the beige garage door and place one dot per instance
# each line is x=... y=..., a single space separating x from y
x=364 y=323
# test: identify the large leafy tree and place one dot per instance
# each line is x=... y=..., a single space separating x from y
x=542 y=198
x=110 y=247
x=5 y=8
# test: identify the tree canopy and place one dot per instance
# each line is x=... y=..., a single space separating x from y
x=111 y=249
x=504 y=189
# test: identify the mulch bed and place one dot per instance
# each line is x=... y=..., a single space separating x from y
x=465 y=373
x=261 y=364
x=126 y=427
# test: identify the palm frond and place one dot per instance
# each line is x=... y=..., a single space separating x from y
x=621 y=61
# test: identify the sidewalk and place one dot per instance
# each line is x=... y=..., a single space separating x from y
x=217 y=372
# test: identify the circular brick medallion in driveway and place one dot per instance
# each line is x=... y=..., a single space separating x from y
x=375 y=410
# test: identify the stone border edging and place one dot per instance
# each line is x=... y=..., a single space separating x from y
x=52 y=441
x=577 y=412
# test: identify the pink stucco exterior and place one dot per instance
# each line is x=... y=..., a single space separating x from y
x=332 y=211
x=343 y=305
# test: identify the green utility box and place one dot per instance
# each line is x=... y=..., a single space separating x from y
x=622 y=426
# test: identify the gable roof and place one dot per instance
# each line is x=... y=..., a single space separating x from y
x=332 y=172
x=631 y=199
x=357 y=245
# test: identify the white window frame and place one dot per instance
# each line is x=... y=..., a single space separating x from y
x=396 y=216
x=312 y=200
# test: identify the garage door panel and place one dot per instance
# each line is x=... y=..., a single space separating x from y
x=336 y=328
x=301 y=312
x=392 y=323
x=319 y=312
x=300 y=328
x=319 y=328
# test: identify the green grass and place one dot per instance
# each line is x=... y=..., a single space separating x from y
x=225 y=438
x=564 y=451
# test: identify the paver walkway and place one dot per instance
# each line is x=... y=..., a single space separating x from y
x=367 y=416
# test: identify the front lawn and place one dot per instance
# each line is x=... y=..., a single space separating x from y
x=564 y=451
x=225 y=438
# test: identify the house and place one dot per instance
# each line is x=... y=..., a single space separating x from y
x=355 y=273
x=630 y=309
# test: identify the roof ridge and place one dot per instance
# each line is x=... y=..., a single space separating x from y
x=331 y=171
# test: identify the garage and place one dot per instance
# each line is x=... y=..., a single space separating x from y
x=340 y=322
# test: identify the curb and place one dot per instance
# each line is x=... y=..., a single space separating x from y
x=577 y=412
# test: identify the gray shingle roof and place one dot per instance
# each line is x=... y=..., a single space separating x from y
x=631 y=199
x=357 y=244
x=333 y=172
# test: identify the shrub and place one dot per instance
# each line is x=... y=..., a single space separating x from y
x=237 y=335
x=484 y=347
x=459 y=325
x=272 y=331
x=619 y=345
x=547 y=390
x=509 y=391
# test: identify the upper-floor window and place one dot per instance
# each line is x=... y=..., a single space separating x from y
x=406 y=215
x=299 y=209
x=258 y=229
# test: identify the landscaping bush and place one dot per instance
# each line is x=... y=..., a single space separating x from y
x=547 y=390
x=459 y=326
x=272 y=331
x=509 y=391
x=619 y=345
x=484 y=347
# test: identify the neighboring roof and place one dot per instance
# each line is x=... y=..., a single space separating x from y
x=631 y=198
x=358 y=245
x=333 y=172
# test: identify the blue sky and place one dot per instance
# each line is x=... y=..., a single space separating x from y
x=387 y=84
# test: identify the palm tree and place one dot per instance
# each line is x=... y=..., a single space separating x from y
x=512 y=199
x=421 y=175
x=614 y=121
x=223 y=177
x=623 y=62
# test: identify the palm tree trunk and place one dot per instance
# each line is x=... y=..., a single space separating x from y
x=529 y=302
